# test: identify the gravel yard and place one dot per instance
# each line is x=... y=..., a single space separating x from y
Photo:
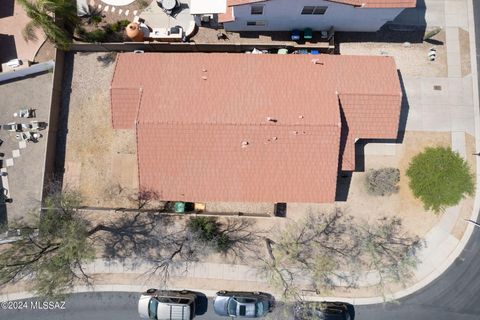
x=362 y=206
x=99 y=162
x=411 y=58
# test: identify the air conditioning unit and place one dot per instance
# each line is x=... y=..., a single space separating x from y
x=14 y=63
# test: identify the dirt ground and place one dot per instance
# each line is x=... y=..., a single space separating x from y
x=411 y=58
x=465 y=51
x=363 y=206
x=100 y=162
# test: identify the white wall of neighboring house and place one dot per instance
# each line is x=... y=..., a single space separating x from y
x=285 y=15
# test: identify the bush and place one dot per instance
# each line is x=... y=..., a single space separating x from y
x=97 y=35
x=143 y=4
x=117 y=26
x=382 y=182
x=440 y=178
x=208 y=230
x=96 y=19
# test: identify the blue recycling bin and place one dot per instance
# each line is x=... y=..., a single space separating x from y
x=295 y=35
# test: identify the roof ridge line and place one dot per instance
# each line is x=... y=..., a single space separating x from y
x=372 y=94
x=237 y=124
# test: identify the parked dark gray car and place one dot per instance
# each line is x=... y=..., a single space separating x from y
x=243 y=304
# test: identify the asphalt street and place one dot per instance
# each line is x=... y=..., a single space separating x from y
x=454 y=295
x=92 y=306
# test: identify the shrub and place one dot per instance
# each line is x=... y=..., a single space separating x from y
x=143 y=4
x=206 y=228
x=209 y=231
x=440 y=178
x=96 y=19
x=97 y=35
x=382 y=182
x=117 y=26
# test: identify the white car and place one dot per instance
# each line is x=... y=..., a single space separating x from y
x=167 y=305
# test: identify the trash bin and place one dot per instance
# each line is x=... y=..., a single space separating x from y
x=179 y=207
x=307 y=34
x=295 y=35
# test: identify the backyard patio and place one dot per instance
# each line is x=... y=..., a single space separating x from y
x=167 y=20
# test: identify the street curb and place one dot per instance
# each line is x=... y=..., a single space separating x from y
x=355 y=301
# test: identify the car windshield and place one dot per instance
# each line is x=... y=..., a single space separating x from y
x=261 y=308
x=232 y=307
x=152 y=309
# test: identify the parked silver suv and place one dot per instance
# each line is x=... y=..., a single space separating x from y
x=243 y=304
x=167 y=305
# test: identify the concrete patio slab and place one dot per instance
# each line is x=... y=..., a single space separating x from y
x=155 y=17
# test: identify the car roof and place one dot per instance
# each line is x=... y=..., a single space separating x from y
x=173 y=311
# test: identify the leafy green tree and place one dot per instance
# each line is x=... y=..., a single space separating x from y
x=52 y=247
x=57 y=18
x=440 y=178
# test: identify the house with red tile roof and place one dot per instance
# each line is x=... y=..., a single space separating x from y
x=251 y=128
x=286 y=15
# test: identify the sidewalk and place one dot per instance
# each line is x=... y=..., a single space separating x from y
x=455 y=109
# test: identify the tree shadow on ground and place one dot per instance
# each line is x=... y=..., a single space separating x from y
x=166 y=243
x=107 y=58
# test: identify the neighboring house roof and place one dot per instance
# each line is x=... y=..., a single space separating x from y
x=379 y=3
x=240 y=2
x=202 y=125
x=229 y=15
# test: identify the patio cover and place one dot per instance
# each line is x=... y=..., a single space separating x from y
x=208 y=6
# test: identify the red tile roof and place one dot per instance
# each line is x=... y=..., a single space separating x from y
x=241 y=2
x=227 y=16
x=196 y=110
x=123 y=114
x=379 y=3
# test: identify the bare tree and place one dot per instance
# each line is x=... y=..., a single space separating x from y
x=388 y=250
x=324 y=251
